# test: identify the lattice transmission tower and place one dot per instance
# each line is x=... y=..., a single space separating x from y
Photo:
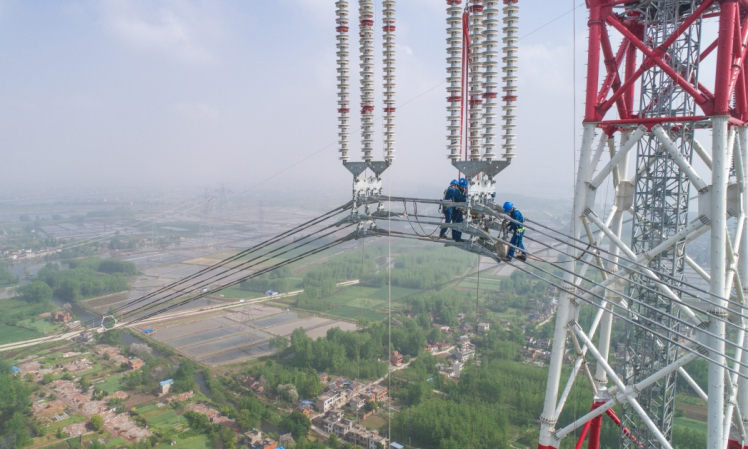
x=651 y=82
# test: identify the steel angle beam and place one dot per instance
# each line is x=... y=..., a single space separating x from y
x=467 y=229
x=384 y=214
x=473 y=168
x=378 y=167
x=475 y=248
x=363 y=233
x=356 y=168
x=355 y=217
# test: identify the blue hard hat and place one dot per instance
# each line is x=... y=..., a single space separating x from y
x=454 y=181
x=463 y=182
x=508 y=206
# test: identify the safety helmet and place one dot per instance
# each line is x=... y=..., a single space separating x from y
x=454 y=182
x=463 y=182
x=508 y=206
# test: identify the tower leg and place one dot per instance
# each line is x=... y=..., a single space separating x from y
x=741 y=442
x=567 y=308
x=718 y=209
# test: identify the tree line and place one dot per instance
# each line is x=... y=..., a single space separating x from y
x=86 y=278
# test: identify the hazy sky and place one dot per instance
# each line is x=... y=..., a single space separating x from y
x=163 y=93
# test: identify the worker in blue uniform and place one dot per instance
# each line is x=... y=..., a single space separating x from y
x=449 y=195
x=518 y=231
x=460 y=196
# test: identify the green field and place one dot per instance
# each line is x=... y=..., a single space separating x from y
x=10 y=334
x=166 y=419
x=354 y=293
x=147 y=408
x=111 y=384
x=193 y=442
x=691 y=424
x=39 y=325
x=118 y=442
x=355 y=312
x=485 y=284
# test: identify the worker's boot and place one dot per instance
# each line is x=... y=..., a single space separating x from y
x=522 y=257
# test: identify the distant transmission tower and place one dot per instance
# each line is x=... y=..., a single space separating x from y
x=660 y=51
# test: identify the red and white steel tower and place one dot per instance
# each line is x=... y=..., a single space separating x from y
x=646 y=95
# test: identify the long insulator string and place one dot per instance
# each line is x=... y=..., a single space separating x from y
x=366 y=17
x=476 y=78
x=343 y=79
x=510 y=78
x=490 y=85
x=454 y=78
x=388 y=17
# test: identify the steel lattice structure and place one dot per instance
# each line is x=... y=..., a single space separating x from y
x=660 y=53
x=660 y=209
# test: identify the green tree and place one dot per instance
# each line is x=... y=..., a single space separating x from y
x=198 y=421
x=278 y=344
x=333 y=442
x=85 y=384
x=297 y=423
x=184 y=378
x=47 y=378
x=97 y=422
x=223 y=437
x=244 y=420
x=37 y=291
x=17 y=430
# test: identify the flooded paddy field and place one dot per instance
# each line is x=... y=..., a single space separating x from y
x=236 y=334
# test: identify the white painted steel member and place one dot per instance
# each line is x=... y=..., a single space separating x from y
x=718 y=211
x=743 y=277
x=567 y=303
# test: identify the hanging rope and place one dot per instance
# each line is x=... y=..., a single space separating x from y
x=475 y=360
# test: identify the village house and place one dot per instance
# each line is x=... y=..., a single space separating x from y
x=368 y=439
x=342 y=427
x=465 y=350
x=376 y=393
x=135 y=363
x=62 y=317
x=396 y=359
x=483 y=327
x=305 y=407
x=166 y=386
x=356 y=403
x=335 y=422
x=253 y=384
x=267 y=443
x=252 y=437
x=327 y=401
